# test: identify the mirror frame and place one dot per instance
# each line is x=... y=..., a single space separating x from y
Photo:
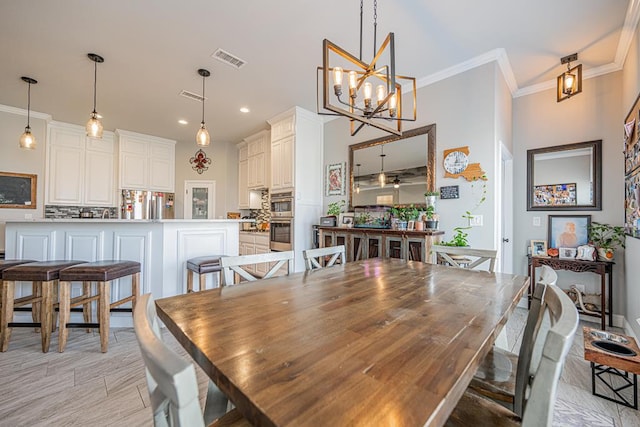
x=429 y=130
x=596 y=164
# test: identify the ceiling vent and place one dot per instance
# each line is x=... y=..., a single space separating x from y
x=191 y=95
x=229 y=59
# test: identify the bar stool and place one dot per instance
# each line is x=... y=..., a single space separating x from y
x=44 y=277
x=8 y=263
x=103 y=272
x=201 y=266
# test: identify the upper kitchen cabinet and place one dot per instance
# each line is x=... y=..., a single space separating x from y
x=80 y=170
x=258 y=158
x=146 y=162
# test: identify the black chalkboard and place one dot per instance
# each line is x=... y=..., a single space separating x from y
x=449 y=192
x=17 y=190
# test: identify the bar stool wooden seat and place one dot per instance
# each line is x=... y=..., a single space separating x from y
x=202 y=265
x=102 y=272
x=44 y=277
x=8 y=263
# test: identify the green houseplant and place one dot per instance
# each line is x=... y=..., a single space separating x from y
x=606 y=238
x=431 y=218
x=335 y=208
x=404 y=214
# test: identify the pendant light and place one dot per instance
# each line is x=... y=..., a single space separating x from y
x=202 y=137
x=382 y=179
x=358 y=179
x=94 y=126
x=27 y=140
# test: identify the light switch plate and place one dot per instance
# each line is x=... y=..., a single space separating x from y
x=475 y=221
x=536 y=221
x=28 y=216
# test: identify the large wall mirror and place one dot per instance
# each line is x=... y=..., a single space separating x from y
x=408 y=164
x=565 y=177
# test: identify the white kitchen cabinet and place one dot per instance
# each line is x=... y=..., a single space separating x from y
x=146 y=162
x=252 y=243
x=282 y=167
x=80 y=170
x=258 y=153
x=243 y=176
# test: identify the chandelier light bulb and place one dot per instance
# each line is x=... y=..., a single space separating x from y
x=393 y=100
x=337 y=80
x=382 y=179
x=569 y=80
x=381 y=93
x=367 y=88
x=353 y=84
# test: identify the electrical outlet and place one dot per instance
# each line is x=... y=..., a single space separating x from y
x=580 y=288
x=475 y=221
x=536 y=221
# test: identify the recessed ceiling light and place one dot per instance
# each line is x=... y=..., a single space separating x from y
x=244 y=110
x=183 y=122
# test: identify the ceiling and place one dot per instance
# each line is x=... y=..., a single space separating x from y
x=153 y=48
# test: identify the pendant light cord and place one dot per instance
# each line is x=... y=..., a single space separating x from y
x=203 y=98
x=29 y=106
x=95 y=84
x=375 y=26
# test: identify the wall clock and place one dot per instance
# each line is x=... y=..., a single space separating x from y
x=456 y=162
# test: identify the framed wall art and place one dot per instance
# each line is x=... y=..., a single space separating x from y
x=555 y=195
x=334 y=181
x=18 y=190
x=568 y=231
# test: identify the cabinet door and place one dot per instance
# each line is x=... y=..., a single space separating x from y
x=243 y=191
x=99 y=176
x=276 y=165
x=65 y=167
x=252 y=171
x=262 y=268
x=134 y=164
x=286 y=162
x=161 y=167
x=261 y=172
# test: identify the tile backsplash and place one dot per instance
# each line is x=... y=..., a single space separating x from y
x=57 y=211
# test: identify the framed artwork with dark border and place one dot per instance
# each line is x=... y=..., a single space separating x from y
x=568 y=231
x=18 y=190
x=334 y=179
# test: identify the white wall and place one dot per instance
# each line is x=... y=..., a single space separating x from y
x=15 y=159
x=462 y=107
x=539 y=121
x=630 y=89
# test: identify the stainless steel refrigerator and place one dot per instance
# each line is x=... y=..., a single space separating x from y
x=140 y=204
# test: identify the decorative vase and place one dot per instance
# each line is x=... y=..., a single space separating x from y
x=431 y=201
x=419 y=225
x=605 y=254
x=402 y=225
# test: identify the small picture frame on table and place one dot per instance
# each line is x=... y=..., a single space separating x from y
x=539 y=248
x=346 y=219
x=567 y=253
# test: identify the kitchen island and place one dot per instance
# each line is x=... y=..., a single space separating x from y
x=161 y=246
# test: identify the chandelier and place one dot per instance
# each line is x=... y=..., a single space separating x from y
x=569 y=82
x=356 y=103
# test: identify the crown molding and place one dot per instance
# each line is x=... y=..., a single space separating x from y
x=23 y=112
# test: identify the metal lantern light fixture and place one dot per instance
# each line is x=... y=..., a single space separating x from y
x=27 y=140
x=202 y=137
x=396 y=182
x=94 y=125
x=362 y=79
x=569 y=82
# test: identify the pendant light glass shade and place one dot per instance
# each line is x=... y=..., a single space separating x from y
x=27 y=140
x=202 y=137
x=94 y=126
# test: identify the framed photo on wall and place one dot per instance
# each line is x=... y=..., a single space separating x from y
x=568 y=231
x=335 y=181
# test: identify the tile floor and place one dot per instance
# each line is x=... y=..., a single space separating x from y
x=85 y=387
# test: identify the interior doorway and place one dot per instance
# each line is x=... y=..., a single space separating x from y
x=505 y=227
x=200 y=199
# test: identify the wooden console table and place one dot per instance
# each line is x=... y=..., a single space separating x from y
x=603 y=268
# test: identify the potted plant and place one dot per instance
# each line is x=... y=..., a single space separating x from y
x=459 y=238
x=606 y=238
x=335 y=208
x=431 y=218
x=430 y=198
x=404 y=214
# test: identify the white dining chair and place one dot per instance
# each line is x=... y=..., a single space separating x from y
x=501 y=376
x=171 y=380
x=313 y=258
x=464 y=257
x=541 y=383
x=234 y=264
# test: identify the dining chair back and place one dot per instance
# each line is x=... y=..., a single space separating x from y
x=234 y=264
x=313 y=258
x=541 y=382
x=171 y=380
x=458 y=256
x=548 y=275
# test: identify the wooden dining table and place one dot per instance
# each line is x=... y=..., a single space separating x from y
x=373 y=342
